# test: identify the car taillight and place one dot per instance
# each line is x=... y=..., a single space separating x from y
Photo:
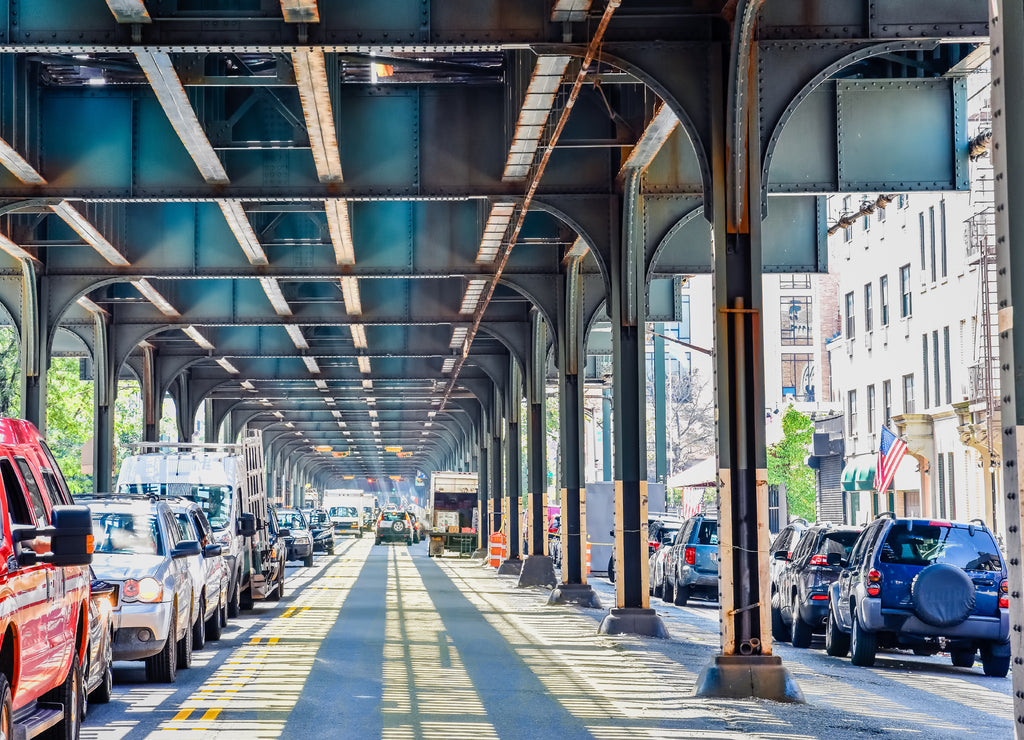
x=818 y=560
x=874 y=582
x=653 y=545
x=1004 y=594
x=690 y=555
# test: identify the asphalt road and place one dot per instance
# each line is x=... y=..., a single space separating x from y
x=384 y=642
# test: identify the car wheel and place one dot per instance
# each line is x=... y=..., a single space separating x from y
x=611 y=569
x=800 y=631
x=779 y=631
x=667 y=591
x=376 y=541
x=659 y=589
x=163 y=667
x=6 y=707
x=278 y=593
x=837 y=642
x=102 y=693
x=245 y=600
x=70 y=693
x=682 y=595
x=234 y=607
x=308 y=561
x=199 y=627
x=963 y=658
x=863 y=645
x=214 y=629
x=185 y=649
x=995 y=659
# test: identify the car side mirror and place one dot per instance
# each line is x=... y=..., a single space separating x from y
x=186 y=548
x=211 y=551
x=247 y=525
x=284 y=533
x=781 y=555
x=71 y=538
x=835 y=558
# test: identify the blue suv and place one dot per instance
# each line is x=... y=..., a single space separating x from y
x=925 y=585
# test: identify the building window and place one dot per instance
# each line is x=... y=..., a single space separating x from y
x=883 y=298
x=851 y=413
x=920 y=223
x=871 y=409
x=798 y=376
x=936 y=368
x=866 y=221
x=942 y=485
x=796 y=320
x=924 y=363
x=850 y=325
x=868 y=309
x=880 y=214
x=931 y=236
x=905 y=303
x=848 y=231
x=908 y=394
x=952 y=488
x=942 y=236
x=949 y=372
x=886 y=402
x=794 y=281
x=902 y=200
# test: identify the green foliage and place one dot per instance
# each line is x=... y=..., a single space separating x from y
x=128 y=420
x=786 y=463
x=69 y=418
x=10 y=366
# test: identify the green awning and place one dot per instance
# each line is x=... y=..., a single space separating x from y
x=859 y=475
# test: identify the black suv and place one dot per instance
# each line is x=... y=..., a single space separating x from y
x=924 y=585
x=800 y=588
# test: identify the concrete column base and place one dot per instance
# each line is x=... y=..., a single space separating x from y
x=510 y=567
x=748 y=677
x=538 y=570
x=580 y=594
x=633 y=621
x=479 y=554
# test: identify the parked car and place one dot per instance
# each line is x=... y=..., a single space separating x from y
x=652 y=519
x=661 y=534
x=800 y=591
x=275 y=573
x=691 y=566
x=140 y=549
x=98 y=674
x=322 y=531
x=923 y=584
x=393 y=526
x=299 y=542
x=784 y=541
x=209 y=576
x=44 y=554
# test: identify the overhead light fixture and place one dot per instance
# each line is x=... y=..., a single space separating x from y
x=278 y=414
x=494 y=231
x=336 y=413
x=540 y=97
x=289 y=425
x=472 y=298
x=323 y=448
x=226 y=364
x=367 y=383
x=321 y=384
x=248 y=385
x=364 y=364
x=428 y=423
x=89 y=233
x=375 y=424
x=18 y=166
x=347 y=433
x=424 y=432
x=239 y=224
x=392 y=448
x=431 y=414
x=266 y=402
x=358 y=335
x=448 y=365
x=350 y=295
x=311 y=364
x=340 y=228
x=373 y=413
x=197 y=337
x=295 y=332
x=273 y=290
x=153 y=295
x=329 y=401
x=371 y=400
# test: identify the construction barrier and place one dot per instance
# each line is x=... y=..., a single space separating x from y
x=496 y=550
x=588 y=558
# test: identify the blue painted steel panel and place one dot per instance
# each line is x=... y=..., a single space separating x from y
x=379 y=139
x=676 y=167
x=465 y=128
x=382 y=233
x=86 y=138
x=805 y=156
x=793 y=235
x=161 y=160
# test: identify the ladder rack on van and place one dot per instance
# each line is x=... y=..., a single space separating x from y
x=198 y=446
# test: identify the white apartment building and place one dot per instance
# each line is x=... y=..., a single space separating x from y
x=912 y=354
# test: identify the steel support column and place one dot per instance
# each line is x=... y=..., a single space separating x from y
x=628 y=301
x=513 y=441
x=660 y=436
x=483 y=481
x=151 y=407
x=573 y=587
x=746 y=666
x=606 y=432
x=34 y=345
x=495 y=458
x=1007 y=36
x=104 y=395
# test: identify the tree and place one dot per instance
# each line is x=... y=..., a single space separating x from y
x=69 y=420
x=786 y=464
x=10 y=367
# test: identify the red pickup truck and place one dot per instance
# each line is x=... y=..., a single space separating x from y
x=44 y=590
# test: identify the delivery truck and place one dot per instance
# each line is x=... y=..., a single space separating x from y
x=453 y=514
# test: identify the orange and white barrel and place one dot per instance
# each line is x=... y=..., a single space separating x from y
x=588 y=558
x=496 y=549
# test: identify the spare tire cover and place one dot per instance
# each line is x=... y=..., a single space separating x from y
x=399 y=525
x=943 y=595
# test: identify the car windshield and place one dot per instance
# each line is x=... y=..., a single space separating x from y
x=343 y=511
x=291 y=520
x=124 y=532
x=317 y=517
x=708 y=534
x=214 y=500
x=392 y=516
x=913 y=543
x=839 y=542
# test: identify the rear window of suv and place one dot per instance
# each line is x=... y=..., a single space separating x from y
x=392 y=516
x=910 y=543
x=708 y=533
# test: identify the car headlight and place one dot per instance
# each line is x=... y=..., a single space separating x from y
x=147 y=590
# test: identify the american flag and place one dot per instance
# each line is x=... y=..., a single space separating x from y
x=890 y=451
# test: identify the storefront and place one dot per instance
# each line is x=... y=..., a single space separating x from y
x=864 y=503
